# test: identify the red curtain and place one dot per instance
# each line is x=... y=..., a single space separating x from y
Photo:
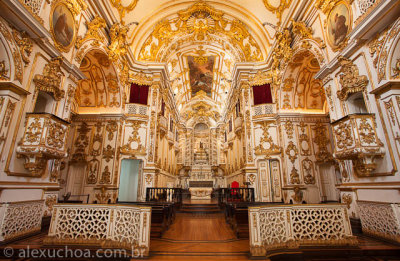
x=262 y=94
x=139 y=94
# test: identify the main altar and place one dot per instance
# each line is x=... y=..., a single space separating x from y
x=201 y=181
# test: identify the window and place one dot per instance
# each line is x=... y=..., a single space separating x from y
x=139 y=94
x=262 y=94
x=237 y=109
x=163 y=108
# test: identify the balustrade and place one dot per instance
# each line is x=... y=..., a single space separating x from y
x=163 y=124
x=279 y=228
x=238 y=124
x=264 y=110
x=380 y=219
x=164 y=195
x=135 y=109
x=226 y=195
x=106 y=226
x=364 y=5
x=20 y=219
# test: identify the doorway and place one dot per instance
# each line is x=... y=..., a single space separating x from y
x=329 y=191
x=269 y=183
x=129 y=180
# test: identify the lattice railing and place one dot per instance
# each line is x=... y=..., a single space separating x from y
x=20 y=219
x=263 y=110
x=364 y=5
x=380 y=219
x=136 y=109
x=105 y=225
x=274 y=228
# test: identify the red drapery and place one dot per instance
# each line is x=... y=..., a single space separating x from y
x=262 y=94
x=139 y=94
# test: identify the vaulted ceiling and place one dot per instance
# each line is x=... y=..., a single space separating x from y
x=200 y=41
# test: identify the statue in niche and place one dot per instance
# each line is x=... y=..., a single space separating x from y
x=201 y=156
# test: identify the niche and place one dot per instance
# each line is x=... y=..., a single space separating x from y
x=44 y=103
x=356 y=104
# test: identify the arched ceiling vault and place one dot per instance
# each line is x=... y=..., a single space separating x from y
x=200 y=42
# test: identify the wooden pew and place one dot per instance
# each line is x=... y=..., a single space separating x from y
x=238 y=218
x=162 y=216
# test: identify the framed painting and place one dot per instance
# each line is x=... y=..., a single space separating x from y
x=62 y=26
x=339 y=23
x=201 y=74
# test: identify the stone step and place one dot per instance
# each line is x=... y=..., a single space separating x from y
x=200 y=208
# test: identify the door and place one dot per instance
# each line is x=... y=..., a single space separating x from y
x=329 y=191
x=129 y=180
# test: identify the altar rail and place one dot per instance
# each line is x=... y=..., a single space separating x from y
x=106 y=226
x=380 y=219
x=279 y=228
x=226 y=195
x=164 y=195
x=18 y=219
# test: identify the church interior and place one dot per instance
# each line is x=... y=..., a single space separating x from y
x=204 y=130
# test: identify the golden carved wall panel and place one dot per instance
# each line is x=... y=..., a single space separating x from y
x=350 y=80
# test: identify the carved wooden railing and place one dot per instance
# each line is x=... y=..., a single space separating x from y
x=380 y=219
x=231 y=137
x=34 y=7
x=356 y=139
x=264 y=110
x=238 y=124
x=226 y=195
x=18 y=219
x=106 y=226
x=136 y=109
x=364 y=5
x=163 y=124
x=170 y=137
x=279 y=228
x=164 y=195
x=45 y=137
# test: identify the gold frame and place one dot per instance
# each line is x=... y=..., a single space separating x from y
x=343 y=44
x=58 y=45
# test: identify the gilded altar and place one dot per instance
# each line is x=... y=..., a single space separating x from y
x=200 y=193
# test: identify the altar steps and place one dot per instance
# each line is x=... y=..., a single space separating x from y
x=200 y=208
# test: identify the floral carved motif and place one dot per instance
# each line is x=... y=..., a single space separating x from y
x=343 y=135
x=94 y=27
x=271 y=147
x=350 y=79
x=50 y=80
x=292 y=151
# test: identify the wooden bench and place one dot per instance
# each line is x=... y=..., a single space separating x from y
x=162 y=216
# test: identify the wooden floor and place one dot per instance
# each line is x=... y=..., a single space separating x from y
x=199 y=237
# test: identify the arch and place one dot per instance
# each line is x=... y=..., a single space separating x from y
x=300 y=90
x=100 y=91
x=9 y=60
x=393 y=63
